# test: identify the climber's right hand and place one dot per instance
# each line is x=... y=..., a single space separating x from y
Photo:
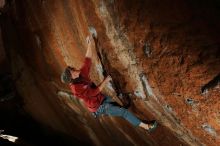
x=108 y=78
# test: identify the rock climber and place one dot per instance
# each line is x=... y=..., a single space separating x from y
x=96 y=102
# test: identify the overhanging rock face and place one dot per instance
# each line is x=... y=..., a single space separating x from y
x=163 y=56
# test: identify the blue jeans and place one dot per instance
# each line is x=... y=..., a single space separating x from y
x=107 y=108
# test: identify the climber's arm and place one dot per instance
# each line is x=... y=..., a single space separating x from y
x=90 y=42
x=104 y=82
x=94 y=91
x=88 y=59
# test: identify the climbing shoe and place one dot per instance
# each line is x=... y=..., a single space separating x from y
x=152 y=126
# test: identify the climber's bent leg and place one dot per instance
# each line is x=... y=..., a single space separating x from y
x=124 y=113
x=111 y=110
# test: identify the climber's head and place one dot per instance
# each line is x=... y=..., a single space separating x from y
x=69 y=74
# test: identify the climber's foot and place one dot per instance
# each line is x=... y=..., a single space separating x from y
x=152 y=126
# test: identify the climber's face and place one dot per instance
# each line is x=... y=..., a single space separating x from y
x=75 y=73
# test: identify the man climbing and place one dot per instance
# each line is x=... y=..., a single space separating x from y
x=97 y=103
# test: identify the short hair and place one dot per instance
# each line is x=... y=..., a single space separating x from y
x=66 y=75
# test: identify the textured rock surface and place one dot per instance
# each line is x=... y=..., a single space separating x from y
x=163 y=56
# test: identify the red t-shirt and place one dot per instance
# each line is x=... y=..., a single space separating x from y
x=92 y=97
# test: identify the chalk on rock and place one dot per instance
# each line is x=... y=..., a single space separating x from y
x=209 y=129
x=169 y=108
x=190 y=101
x=147 y=50
x=93 y=32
